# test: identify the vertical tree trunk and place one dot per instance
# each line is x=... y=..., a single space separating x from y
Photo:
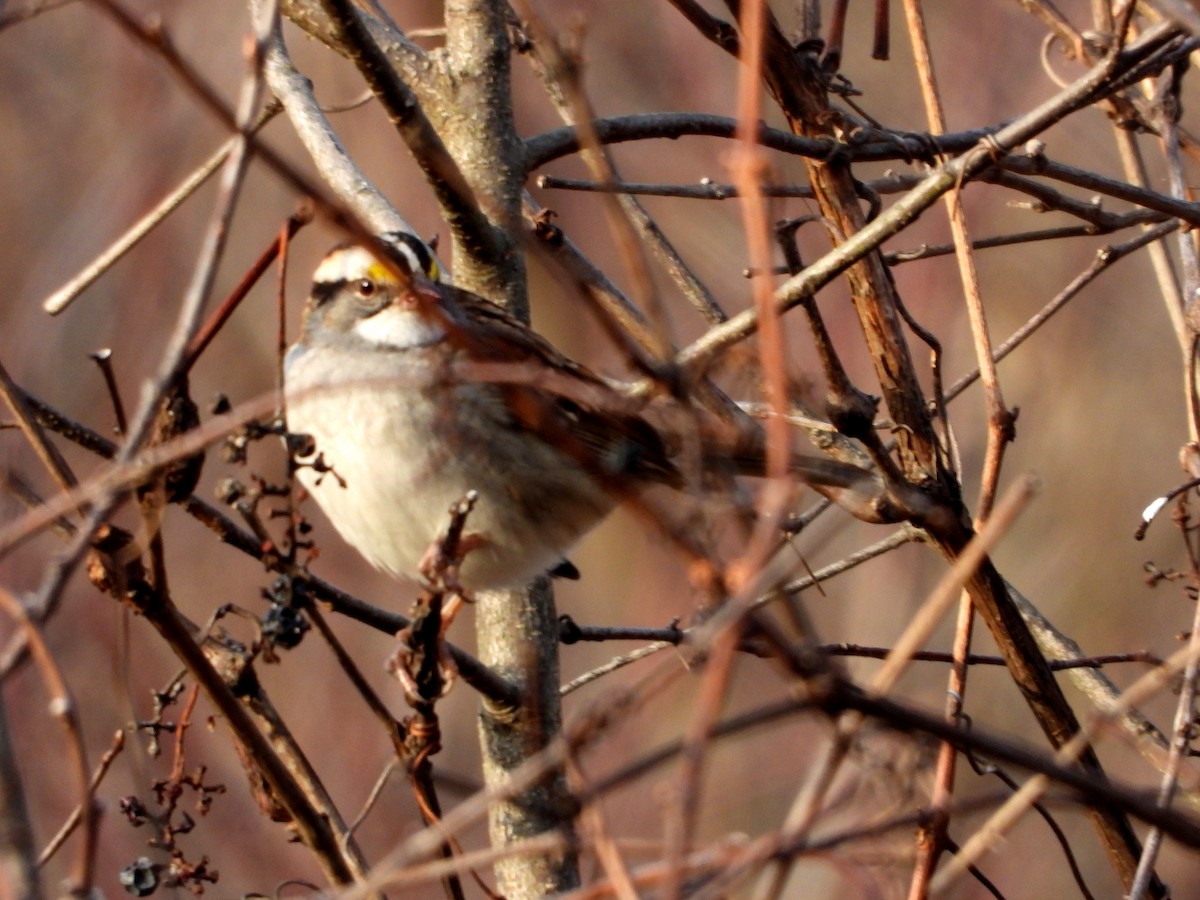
x=518 y=638
x=517 y=631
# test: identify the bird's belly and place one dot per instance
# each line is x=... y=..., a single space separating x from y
x=392 y=486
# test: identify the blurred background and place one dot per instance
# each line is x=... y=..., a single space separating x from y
x=94 y=130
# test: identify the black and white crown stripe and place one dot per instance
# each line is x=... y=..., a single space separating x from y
x=419 y=255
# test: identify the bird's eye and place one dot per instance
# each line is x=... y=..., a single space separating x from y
x=365 y=288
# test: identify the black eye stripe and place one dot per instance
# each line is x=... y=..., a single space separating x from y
x=324 y=291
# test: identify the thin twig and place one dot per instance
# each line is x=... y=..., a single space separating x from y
x=1181 y=745
x=47 y=452
x=1133 y=165
x=17 y=16
x=170 y=364
x=551 y=145
x=1105 y=257
x=274 y=250
x=63 y=708
x=1149 y=684
x=107 y=258
x=464 y=208
x=475 y=673
x=18 y=857
x=796 y=290
x=999 y=434
x=77 y=814
x=809 y=801
x=632 y=229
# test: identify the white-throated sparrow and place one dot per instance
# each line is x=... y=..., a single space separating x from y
x=382 y=380
x=416 y=392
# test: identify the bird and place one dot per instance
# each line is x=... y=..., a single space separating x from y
x=413 y=393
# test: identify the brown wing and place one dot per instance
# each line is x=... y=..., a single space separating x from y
x=575 y=409
x=490 y=333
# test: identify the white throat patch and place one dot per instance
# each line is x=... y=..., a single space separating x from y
x=399 y=328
